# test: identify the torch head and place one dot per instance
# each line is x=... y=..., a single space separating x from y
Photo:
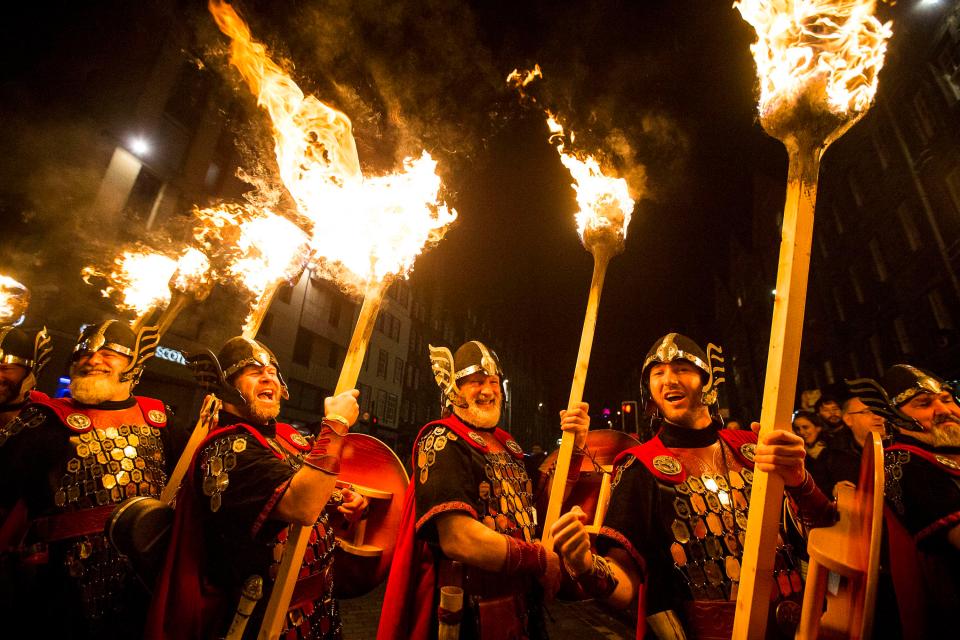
x=472 y=357
x=14 y=301
x=117 y=336
x=675 y=346
x=30 y=351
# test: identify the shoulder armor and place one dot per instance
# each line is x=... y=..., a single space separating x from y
x=658 y=460
x=742 y=442
x=29 y=418
x=153 y=410
x=903 y=452
x=68 y=414
x=290 y=435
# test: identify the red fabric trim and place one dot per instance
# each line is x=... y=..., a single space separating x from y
x=442 y=508
x=287 y=433
x=456 y=425
x=268 y=507
x=907 y=582
x=938 y=525
x=62 y=407
x=407 y=611
x=152 y=404
x=506 y=438
x=621 y=540
x=649 y=450
x=736 y=438
x=37 y=396
x=926 y=454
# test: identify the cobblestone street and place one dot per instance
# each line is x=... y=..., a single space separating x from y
x=566 y=621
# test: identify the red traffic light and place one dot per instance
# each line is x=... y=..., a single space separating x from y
x=626 y=407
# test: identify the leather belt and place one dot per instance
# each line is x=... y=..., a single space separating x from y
x=73 y=524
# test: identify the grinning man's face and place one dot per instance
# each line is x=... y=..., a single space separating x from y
x=676 y=389
x=483 y=397
x=95 y=377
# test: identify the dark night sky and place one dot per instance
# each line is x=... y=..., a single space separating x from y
x=674 y=77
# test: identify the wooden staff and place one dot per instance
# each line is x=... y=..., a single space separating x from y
x=806 y=135
x=602 y=253
x=298 y=536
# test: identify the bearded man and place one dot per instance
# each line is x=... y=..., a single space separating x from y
x=469 y=519
x=70 y=461
x=922 y=494
x=22 y=357
x=250 y=480
x=675 y=527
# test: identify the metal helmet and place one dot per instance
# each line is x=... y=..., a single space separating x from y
x=675 y=346
x=899 y=385
x=448 y=369
x=117 y=336
x=30 y=351
x=214 y=372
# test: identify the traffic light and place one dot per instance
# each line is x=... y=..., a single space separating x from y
x=628 y=416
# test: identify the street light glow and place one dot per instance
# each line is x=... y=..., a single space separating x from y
x=139 y=146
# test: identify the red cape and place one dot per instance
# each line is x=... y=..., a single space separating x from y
x=408 y=604
x=183 y=606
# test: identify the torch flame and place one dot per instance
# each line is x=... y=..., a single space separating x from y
x=138 y=280
x=14 y=300
x=371 y=227
x=192 y=273
x=605 y=202
x=833 y=46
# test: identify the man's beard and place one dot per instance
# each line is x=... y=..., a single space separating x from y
x=944 y=433
x=263 y=412
x=481 y=416
x=9 y=392
x=93 y=389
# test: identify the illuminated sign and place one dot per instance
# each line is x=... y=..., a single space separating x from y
x=170 y=355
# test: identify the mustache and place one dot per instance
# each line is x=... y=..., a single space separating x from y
x=938 y=420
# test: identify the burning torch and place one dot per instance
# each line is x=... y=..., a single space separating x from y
x=605 y=209
x=366 y=230
x=817 y=62
x=14 y=301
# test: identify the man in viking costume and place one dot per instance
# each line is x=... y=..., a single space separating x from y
x=22 y=356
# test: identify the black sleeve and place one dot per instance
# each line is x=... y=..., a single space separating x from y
x=241 y=481
x=174 y=437
x=27 y=448
x=445 y=477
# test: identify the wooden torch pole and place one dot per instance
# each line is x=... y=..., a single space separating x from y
x=783 y=358
x=601 y=258
x=298 y=536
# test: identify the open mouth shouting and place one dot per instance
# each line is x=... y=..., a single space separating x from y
x=268 y=395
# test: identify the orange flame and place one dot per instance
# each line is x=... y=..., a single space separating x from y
x=836 y=47
x=193 y=273
x=605 y=201
x=371 y=227
x=138 y=280
x=14 y=301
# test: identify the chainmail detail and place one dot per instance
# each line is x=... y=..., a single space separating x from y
x=893 y=462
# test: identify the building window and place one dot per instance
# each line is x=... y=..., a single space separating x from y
x=924 y=120
x=303 y=347
x=903 y=338
x=940 y=313
x=875 y=352
x=390 y=414
x=837 y=222
x=828 y=371
x=909 y=225
x=335 y=357
x=838 y=303
x=855 y=190
x=855 y=283
x=382 y=361
x=879 y=265
x=953 y=187
x=335 y=309
x=366 y=397
x=398 y=370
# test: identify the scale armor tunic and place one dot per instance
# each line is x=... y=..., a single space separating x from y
x=241 y=481
x=685 y=523
x=71 y=464
x=454 y=475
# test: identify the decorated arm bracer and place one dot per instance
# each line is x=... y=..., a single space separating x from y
x=816 y=509
x=524 y=558
x=598 y=582
x=325 y=454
